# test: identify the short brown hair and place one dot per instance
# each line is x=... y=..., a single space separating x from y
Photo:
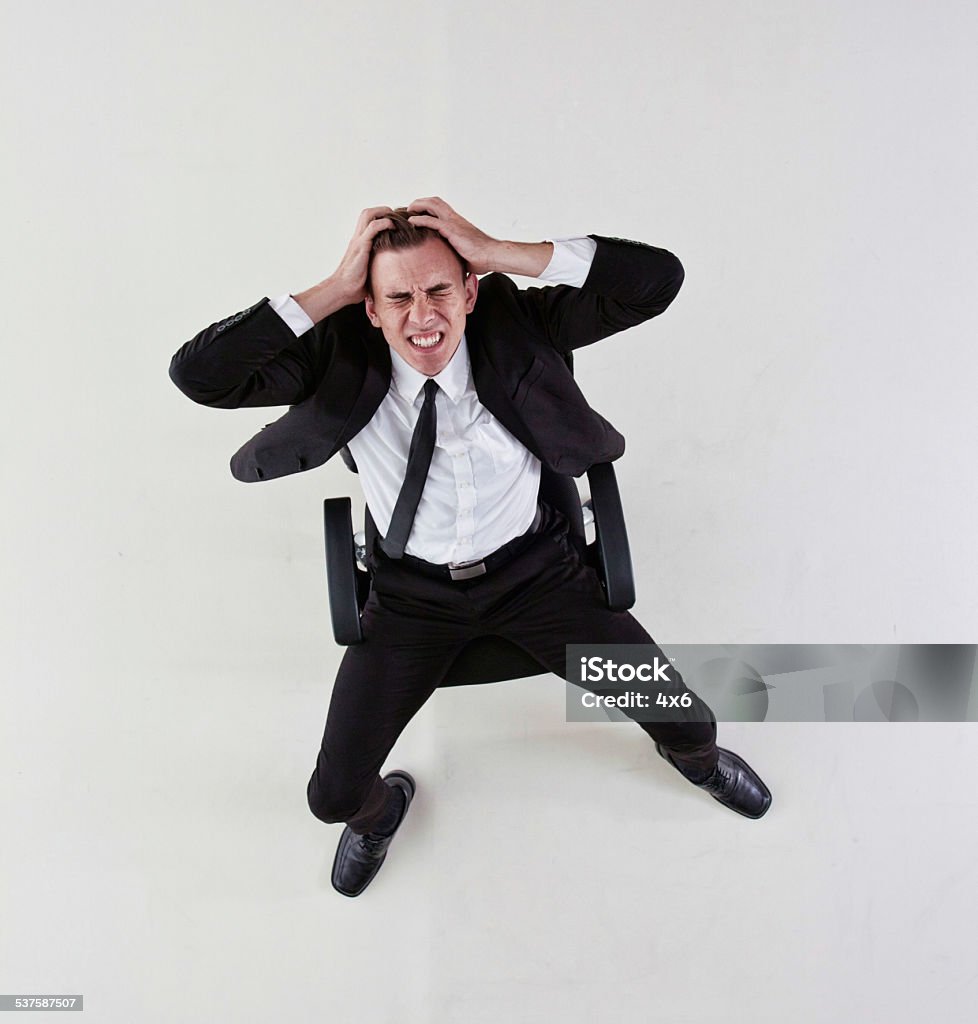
x=405 y=235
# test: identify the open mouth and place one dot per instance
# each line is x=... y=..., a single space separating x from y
x=426 y=340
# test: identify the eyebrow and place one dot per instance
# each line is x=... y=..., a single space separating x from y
x=442 y=286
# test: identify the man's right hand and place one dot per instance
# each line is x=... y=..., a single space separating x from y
x=348 y=283
x=351 y=274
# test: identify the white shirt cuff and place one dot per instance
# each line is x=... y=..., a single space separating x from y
x=292 y=313
x=571 y=261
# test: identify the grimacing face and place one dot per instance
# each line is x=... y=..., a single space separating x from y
x=420 y=300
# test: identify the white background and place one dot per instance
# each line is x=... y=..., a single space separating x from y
x=799 y=469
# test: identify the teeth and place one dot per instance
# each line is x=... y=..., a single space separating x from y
x=426 y=340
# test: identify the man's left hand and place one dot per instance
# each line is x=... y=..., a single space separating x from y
x=473 y=245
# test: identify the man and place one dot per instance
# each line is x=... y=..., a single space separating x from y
x=450 y=393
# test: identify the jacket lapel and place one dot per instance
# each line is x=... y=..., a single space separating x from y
x=491 y=389
x=376 y=383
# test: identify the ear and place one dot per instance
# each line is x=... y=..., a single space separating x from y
x=371 y=310
x=471 y=292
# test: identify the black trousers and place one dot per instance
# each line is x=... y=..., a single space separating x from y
x=414 y=626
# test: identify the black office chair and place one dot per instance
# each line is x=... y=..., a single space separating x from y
x=491 y=658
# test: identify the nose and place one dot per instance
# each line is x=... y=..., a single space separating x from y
x=421 y=311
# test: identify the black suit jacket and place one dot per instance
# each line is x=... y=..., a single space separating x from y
x=336 y=374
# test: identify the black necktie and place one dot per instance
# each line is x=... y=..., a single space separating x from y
x=419 y=459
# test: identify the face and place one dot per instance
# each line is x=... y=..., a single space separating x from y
x=420 y=302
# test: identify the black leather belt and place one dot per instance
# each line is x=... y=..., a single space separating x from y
x=470 y=570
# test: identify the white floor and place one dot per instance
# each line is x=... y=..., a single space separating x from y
x=159 y=858
x=797 y=469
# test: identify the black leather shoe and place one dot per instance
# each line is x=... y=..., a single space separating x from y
x=358 y=858
x=734 y=783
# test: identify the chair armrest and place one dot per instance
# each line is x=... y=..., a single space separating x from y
x=341 y=577
x=611 y=538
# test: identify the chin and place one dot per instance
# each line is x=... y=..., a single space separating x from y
x=433 y=359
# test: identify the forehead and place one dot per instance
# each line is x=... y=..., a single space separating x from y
x=421 y=266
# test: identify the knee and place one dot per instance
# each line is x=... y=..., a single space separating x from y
x=328 y=802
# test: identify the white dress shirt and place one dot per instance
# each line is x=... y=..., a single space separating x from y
x=482 y=485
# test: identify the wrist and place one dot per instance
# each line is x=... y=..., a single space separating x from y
x=529 y=259
x=326 y=297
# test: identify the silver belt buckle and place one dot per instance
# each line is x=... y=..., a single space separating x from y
x=468 y=571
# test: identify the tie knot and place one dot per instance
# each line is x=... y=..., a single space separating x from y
x=430 y=389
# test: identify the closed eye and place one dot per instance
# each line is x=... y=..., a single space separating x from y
x=435 y=291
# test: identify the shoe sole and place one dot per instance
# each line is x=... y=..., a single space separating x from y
x=409 y=783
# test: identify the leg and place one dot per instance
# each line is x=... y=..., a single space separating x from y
x=380 y=685
x=560 y=601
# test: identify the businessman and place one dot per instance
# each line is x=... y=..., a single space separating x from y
x=450 y=393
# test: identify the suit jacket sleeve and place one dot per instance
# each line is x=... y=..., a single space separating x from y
x=629 y=283
x=250 y=359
